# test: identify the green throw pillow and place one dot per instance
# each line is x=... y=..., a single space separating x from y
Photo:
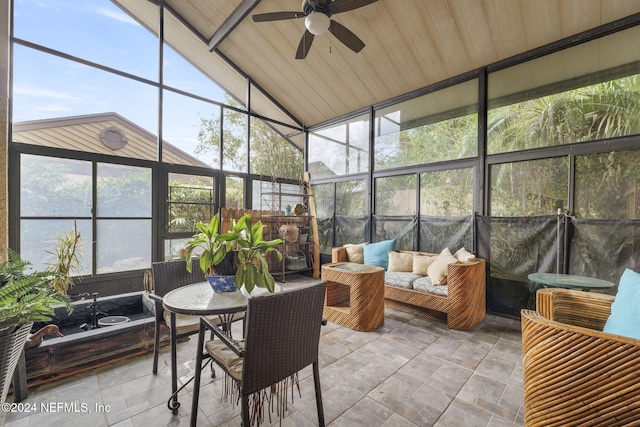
x=625 y=310
x=377 y=254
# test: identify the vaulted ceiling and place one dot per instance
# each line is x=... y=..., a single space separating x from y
x=409 y=44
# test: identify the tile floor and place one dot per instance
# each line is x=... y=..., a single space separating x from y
x=409 y=372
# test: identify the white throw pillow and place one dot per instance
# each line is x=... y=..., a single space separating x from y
x=355 y=253
x=438 y=269
x=463 y=255
x=421 y=263
x=400 y=262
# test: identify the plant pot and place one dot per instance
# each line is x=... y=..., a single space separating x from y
x=11 y=345
x=222 y=283
x=228 y=265
x=295 y=261
x=289 y=233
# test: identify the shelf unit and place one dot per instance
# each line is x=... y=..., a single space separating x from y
x=274 y=201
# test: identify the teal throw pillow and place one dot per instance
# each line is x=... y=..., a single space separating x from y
x=377 y=254
x=625 y=310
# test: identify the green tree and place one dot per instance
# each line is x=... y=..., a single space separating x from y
x=271 y=154
x=605 y=110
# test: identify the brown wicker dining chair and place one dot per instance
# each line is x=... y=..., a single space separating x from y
x=575 y=374
x=167 y=276
x=282 y=337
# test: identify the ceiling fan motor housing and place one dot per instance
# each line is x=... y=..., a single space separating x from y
x=309 y=6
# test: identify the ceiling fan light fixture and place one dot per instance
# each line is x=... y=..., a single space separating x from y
x=317 y=23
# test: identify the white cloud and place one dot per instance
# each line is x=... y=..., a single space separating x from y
x=118 y=16
x=42 y=112
x=44 y=93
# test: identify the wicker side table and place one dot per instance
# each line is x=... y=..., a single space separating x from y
x=355 y=295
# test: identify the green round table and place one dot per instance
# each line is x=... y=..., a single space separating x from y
x=569 y=281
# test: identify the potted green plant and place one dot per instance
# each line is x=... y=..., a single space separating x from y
x=67 y=263
x=253 y=269
x=212 y=247
x=25 y=297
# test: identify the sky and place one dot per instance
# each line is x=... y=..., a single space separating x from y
x=46 y=86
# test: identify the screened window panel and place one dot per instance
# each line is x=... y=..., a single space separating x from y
x=123 y=191
x=190 y=131
x=607 y=185
x=396 y=195
x=174 y=249
x=190 y=199
x=274 y=155
x=38 y=241
x=567 y=96
x=78 y=27
x=234 y=192
x=447 y=193
x=351 y=198
x=437 y=233
x=234 y=141
x=258 y=188
x=441 y=125
x=588 y=256
x=123 y=245
x=324 y=198
x=535 y=187
x=350 y=230
x=340 y=149
x=54 y=187
x=325 y=231
x=401 y=228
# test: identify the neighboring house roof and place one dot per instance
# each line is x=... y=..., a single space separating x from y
x=104 y=133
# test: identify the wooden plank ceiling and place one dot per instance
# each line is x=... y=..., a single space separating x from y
x=410 y=44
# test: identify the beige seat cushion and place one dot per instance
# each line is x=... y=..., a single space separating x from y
x=186 y=324
x=225 y=357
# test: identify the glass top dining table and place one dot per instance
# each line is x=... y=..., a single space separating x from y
x=570 y=281
x=199 y=299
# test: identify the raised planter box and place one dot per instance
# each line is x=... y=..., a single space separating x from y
x=83 y=350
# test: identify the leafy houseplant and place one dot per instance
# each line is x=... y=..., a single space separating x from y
x=66 y=261
x=214 y=245
x=25 y=297
x=253 y=268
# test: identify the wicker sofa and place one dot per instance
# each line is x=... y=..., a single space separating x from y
x=464 y=306
x=574 y=373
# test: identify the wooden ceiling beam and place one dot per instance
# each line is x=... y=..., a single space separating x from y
x=231 y=22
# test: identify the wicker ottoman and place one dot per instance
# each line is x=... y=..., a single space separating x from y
x=355 y=295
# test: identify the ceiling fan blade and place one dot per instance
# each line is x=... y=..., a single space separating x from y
x=276 y=16
x=343 y=34
x=339 y=6
x=305 y=45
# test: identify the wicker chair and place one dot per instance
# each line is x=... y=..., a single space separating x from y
x=168 y=276
x=282 y=337
x=575 y=374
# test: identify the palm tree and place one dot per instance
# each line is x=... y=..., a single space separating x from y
x=605 y=110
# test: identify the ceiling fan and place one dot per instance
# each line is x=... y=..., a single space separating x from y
x=317 y=14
